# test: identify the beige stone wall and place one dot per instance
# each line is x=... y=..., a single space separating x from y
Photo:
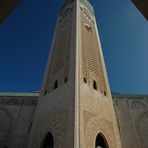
x=92 y=66
x=96 y=111
x=132 y=115
x=58 y=68
x=96 y=115
x=56 y=108
x=17 y=112
x=55 y=114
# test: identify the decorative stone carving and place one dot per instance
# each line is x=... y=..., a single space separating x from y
x=91 y=58
x=138 y=105
x=59 y=66
x=142 y=128
x=93 y=126
x=12 y=101
x=56 y=123
x=5 y=126
x=17 y=100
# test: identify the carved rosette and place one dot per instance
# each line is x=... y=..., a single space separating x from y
x=97 y=125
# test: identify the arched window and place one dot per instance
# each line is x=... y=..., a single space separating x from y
x=104 y=92
x=101 y=142
x=48 y=141
x=45 y=93
x=55 y=84
x=84 y=79
x=65 y=80
x=95 y=85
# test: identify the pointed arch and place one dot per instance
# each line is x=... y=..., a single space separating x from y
x=48 y=141
x=56 y=84
x=95 y=85
x=101 y=141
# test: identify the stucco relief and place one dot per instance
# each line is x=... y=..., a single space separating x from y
x=138 y=105
x=16 y=101
x=146 y=100
x=13 y=101
x=59 y=71
x=142 y=128
x=94 y=125
x=54 y=122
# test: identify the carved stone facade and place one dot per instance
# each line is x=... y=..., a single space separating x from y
x=92 y=68
x=75 y=88
x=96 y=112
x=75 y=76
x=16 y=118
x=17 y=113
x=5 y=126
x=75 y=108
x=58 y=72
x=132 y=117
x=95 y=125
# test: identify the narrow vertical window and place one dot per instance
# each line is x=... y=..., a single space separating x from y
x=95 y=85
x=104 y=92
x=85 y=80
x=45 y=93
x=55 y=84
x=65 y=80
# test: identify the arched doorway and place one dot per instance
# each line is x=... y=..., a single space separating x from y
x=101 y=141
x=48 y=141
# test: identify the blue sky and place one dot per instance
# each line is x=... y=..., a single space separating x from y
x=26 y=35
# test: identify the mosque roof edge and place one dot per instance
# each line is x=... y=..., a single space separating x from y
x=129 y=96
x=21 y=94
x=36 y=94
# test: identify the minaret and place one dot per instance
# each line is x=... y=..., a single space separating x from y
x=75 y=108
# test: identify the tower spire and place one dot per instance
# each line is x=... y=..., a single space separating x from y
x=75 y=108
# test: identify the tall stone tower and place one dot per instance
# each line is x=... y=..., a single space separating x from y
x=75 y=108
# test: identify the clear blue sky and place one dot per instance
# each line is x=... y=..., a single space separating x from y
x=25 y=39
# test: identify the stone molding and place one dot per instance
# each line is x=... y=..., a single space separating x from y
x=95 y=125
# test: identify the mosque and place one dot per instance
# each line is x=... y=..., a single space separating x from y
x=74 y=108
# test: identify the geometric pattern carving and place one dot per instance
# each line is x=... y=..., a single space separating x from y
x=142 y=128
x=12 y=101
x=17 y=100
x=93 y=126
x=92 y=68
x=138 y=105
x=59 y=64
x=56 y=123
x=5 y=126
